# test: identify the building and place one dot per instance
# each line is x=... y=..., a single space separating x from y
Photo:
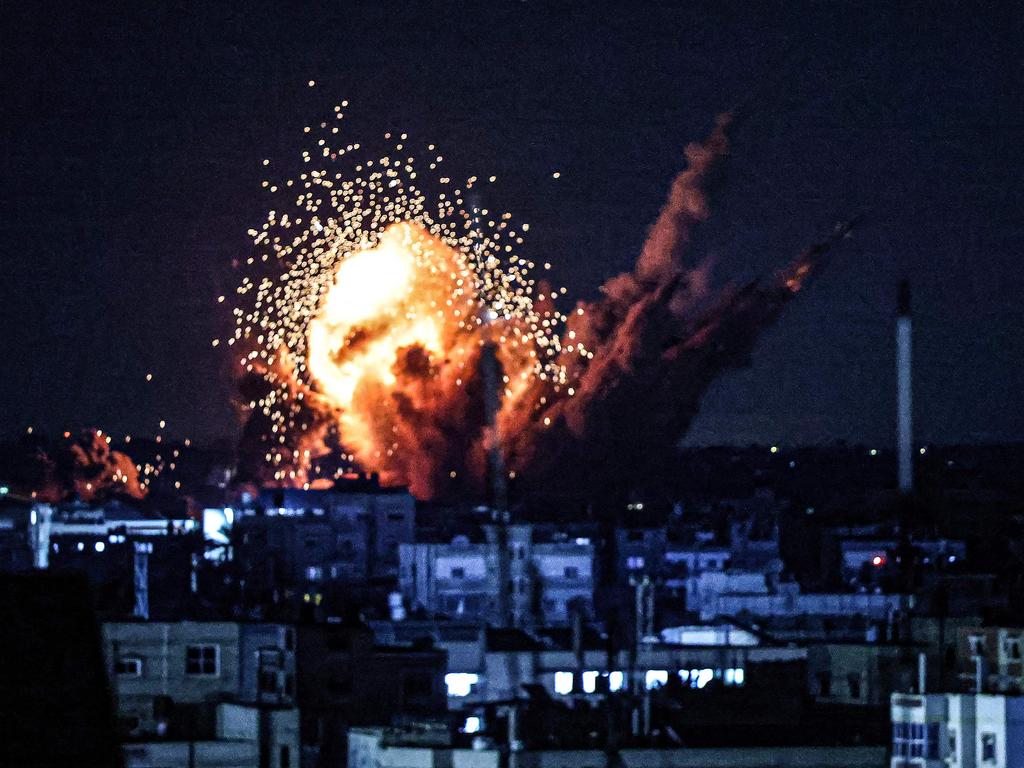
x=937 y=730
x=992 y=658
x=347 y=678
x=349 y=533
x=860 y=674
x=165 y=674
x=487 y=665
x=139 y=564
x=550 y=579
x=242 y=737
x=432 y=746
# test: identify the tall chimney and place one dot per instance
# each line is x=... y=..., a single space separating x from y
x=904 y=393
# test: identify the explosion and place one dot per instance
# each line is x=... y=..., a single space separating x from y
x=367 y=335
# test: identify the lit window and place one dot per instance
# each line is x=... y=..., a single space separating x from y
x=655 y=678
x=128 y=666
x=589 y=681
x=634 y=563
x=738 y=675
x=314 y=573
x=684 y=675
x=460 y=684
x=563 y=683
x=202 y=660
x=472 y=725
x=701 y=677
x=616 y=681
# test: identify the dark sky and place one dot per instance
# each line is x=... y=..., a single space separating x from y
x=131 y=156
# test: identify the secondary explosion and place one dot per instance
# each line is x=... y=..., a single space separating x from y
x=368 y=341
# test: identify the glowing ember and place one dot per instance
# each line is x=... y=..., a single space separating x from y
x=373 y=329
x=365 y=337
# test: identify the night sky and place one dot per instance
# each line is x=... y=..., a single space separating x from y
x=132 y=144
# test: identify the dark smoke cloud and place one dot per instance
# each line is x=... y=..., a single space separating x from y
x=85 y=467
x=660 y=336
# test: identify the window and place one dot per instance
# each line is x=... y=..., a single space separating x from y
x=314 y=573
x=634 y=563
x=1012 y=647
x=915 y=740
x=977 y=645
x=951 y=745
x=128 y=666
x=853 y=681
x=563 y=683
x=460 y=684
x=824 y=683
x=202 y=660
x=458 y=573
x=988 y=747
x=285 y=760
x=572 y=572
x=655 y=678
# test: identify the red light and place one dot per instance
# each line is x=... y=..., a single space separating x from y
x=877 y=560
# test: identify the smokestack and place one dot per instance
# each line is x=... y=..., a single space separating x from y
x=904 y=394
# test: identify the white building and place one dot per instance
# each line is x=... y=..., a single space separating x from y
x=937 y=730
x=548 y=581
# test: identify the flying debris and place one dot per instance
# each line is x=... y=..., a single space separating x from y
x=374 y=291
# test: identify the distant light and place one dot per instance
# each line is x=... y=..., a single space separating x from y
x=923 y=451
x=312 y=83
x=616 y=681
x=590 y=681
x=655 y=678
x=81 y=546
x=873 y=451
x=952 y=558
x=563 y=683
x=556 y=174
x=4 y=490
x=460 y=684
x=774 y=449
x=877 y=560
x=100 y=546
x=472 y=725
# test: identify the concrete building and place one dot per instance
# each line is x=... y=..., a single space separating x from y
x=969 y=730
x=404 y=748
x=549 y=579
x=156 y=667
x=991 y=656
x=139 y=564
x=289 y=544
x=243 y=737
x=860 y=674
x=491 y=665
x=347 y=678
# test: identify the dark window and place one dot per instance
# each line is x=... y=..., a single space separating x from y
x=289 y=639
x=286 y=757
x=396 y=517
x=931 y=746
x=202 y=660
x=129 y=666
x=988 y=747
x=853 y=680
x=340 y=686
x=458 y=573
x=824 y=683
x=572 y=572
